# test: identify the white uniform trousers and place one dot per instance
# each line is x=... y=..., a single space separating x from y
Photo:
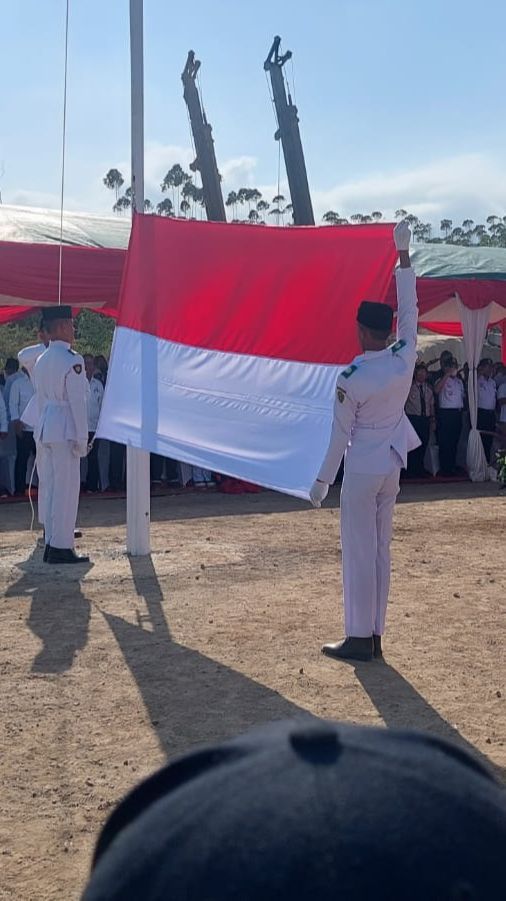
x=61 y=469
x=367 y=506
x=42 y=483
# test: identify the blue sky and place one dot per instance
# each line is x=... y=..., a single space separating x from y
x=401 y=103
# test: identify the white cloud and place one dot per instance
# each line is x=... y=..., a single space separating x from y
x=238 y=172
x=47 y=200
x=470 y=185
x=158 y=159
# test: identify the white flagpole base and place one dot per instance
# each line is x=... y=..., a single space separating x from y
x=138 y=502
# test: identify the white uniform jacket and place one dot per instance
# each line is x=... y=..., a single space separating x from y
x=61 y=390
x=27 y=358
x=369 y=418
x=19 y=398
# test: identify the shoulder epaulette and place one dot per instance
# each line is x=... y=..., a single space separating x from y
x=74 y=352
x=349 y=371
x=395 y=348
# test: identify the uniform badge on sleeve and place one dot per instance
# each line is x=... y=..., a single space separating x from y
x=341 y=395
x=77 y=368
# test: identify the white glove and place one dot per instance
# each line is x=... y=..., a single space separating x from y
x=402 y=235
x=318 y=493
x=80 y=448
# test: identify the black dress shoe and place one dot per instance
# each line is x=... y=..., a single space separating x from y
x=46 y=553
x=65 y=555
x=350 y=649
x=378 y=652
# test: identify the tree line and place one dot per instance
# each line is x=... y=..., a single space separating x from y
x=187 y=199
x=470 y=233
x=184 y=198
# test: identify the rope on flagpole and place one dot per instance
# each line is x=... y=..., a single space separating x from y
x=64 y=135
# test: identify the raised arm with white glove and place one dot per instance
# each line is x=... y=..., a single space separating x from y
x=28 y=356
x=407 y=302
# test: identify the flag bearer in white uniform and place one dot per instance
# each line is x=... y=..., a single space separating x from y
x=62 y=432
x=371 y=429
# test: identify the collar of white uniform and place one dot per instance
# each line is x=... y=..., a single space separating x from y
x=65 y=344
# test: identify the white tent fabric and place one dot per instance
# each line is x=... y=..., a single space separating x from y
x=449 y=311
x=474 y=329
x=42 y=226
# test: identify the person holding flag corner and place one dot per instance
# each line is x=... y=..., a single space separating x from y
x=371 y=430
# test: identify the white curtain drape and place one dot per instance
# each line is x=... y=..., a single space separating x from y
x=474 y=330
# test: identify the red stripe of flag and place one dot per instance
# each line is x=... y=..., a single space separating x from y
x=287 y=293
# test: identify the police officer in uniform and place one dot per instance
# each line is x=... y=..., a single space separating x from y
x=487 y=401
x=451 y=393
x=62 y=432
x=420 y=411
x=372 y=430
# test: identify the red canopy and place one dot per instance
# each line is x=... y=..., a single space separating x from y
x=91 y=277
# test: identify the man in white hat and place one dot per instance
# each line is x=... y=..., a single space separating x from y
x=61 y=430
x=372 y=431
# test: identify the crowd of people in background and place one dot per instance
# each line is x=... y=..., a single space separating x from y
x=104 y=469
x=436 y=406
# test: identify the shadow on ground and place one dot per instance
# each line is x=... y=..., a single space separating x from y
x=401 y=706
x=60 y=620
x=95 y=510
x=174 y=680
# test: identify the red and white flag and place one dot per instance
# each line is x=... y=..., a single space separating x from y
x=229 y=339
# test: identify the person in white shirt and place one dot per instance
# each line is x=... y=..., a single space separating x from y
x=20 y=396
x=450 y=392
x=8 y=448
x=27 y=358
x=487 y=401
x=95 y=398
x=60 y=386
x=420 y=411
x=371 y=429
x=12 y=373
x=499 y=373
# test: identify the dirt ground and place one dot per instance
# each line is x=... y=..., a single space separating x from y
x=111 y=669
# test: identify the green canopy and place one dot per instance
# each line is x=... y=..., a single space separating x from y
x=451 y=261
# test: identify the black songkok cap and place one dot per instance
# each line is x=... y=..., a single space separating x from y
x=377 y=316
x=309 y=809
x=49 y=314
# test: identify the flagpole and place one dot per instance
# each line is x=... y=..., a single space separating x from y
x=138 y=479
